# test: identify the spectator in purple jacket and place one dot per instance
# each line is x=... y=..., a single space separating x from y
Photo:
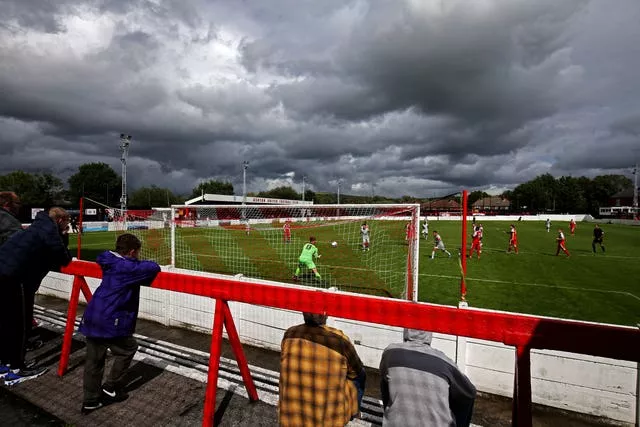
x=109 y=320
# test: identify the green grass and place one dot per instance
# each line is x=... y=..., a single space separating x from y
x=601 y=288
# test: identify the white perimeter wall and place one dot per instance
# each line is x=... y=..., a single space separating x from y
x=514 y=218
x=591 y=385
x=90 y=226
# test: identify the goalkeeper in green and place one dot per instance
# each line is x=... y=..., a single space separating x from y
x=308 y=255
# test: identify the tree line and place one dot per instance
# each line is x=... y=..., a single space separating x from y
x=98 y=181
x=566 y=194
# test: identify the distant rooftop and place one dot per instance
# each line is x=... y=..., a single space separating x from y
x=214 y=199
x=492 y=202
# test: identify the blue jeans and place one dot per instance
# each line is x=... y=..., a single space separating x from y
x=359 y=382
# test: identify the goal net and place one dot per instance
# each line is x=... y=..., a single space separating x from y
x=151 y=226
x=266 y=241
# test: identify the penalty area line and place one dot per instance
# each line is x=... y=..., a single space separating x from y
x=539 y=285
x=610 y=256
x=496 y=250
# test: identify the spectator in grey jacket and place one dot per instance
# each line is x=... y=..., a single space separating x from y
x=423 y=387
x=9 y=209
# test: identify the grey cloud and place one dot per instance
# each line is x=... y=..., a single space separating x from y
x=490 y=73
x=475 y=65
x=41 y=15
x=414 y=97
x=234 y=98
x=629 y=125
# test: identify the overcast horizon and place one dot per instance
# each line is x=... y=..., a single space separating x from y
x=404 y=97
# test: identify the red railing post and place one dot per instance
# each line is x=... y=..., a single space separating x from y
x=234 y=340
x=86 y=292
x=521 y=415
x=79 y=228
x=463 y=254
x=71 y=319
x=214 y=365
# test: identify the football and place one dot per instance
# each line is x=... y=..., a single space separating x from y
x=334 y=244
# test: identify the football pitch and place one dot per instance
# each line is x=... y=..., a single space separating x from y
x=604 y=287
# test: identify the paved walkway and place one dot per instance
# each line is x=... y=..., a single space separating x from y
x=167 y=384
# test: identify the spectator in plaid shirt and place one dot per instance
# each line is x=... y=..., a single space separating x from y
x=423 y=387
x=321 y=376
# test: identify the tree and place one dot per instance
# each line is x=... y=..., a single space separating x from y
x=570 y=195
x=566 y=194
x=41 y=190
x=537 y=195
x=97 y=181
x=213 y=187
x=326 y=198
x=605 y=186
x=284 y=192
x=153 y=197
x=309 y=195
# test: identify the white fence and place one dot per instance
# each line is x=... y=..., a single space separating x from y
x=590 y=385
x=90 y=226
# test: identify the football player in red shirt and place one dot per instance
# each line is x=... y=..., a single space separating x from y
x=475 y=242
x=286 y=229
x=513 y=239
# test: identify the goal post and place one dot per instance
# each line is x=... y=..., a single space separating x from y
x=151 y=226
x=265 y=242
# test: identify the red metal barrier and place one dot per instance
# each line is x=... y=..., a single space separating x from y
x=463 y=252
x=522 y=331
x=80 y=220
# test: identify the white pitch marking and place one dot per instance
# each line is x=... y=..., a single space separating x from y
x=540 y=285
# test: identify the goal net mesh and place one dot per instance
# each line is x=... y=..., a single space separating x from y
x=265 y=242
x=151 y=226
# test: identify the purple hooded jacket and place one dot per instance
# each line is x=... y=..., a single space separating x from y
x=113 y=309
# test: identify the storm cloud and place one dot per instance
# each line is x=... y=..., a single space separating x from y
x=418 y=97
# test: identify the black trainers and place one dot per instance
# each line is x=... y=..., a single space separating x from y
x=30 y=364
x=17 y=376
x=34 y=345
x=88 y=407
x=112 y=394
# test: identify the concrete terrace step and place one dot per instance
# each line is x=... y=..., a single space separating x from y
x=193 y=364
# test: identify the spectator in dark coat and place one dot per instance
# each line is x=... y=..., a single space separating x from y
x=423 y=387
x=27 y=257
x=9 y=210
x=109 y=320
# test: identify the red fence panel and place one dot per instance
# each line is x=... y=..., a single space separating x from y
x=522 y=331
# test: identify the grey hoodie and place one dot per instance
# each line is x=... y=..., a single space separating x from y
x=9 y=224
x=423 y=387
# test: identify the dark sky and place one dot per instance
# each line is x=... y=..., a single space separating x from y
x=418 y=97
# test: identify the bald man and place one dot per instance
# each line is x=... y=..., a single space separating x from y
x=27 y=257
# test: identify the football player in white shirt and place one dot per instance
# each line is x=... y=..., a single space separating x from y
x=438 y=244
x=364 y=232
